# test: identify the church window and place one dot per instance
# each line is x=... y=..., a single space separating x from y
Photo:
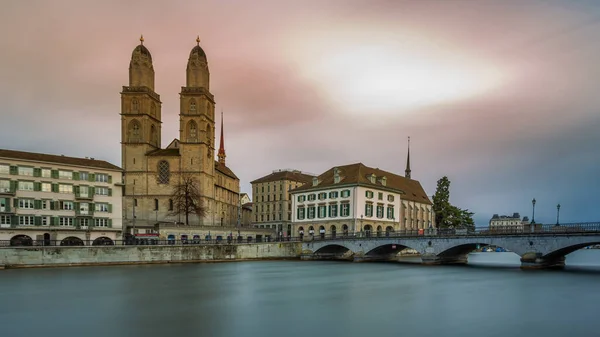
x=135 y=106
x=192 y=131
x=170 y=204
x=163 y=172
x=153 y=137
x=134 y=131
x=192 y=106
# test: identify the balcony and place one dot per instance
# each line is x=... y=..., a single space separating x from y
x=84 y=196
x=7 y=191
x=84 y=212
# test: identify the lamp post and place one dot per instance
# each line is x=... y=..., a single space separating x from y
x=557 y=213
x=361 y=225
x=533 y=215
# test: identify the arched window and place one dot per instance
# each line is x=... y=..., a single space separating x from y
x=153 y=138
x=163 y=172
x=134 y=131
x=170 y=204
x=192 y=131
x=135 y=106
x=192 y=106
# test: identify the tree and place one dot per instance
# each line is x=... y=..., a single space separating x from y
x=447 y=215
x=187 y=198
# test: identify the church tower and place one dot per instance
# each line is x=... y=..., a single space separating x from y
x=221 y=154
x=407 y=171
x=197 y=125
x=140 y=112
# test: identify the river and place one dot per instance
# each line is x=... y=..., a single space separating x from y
x=297 y=298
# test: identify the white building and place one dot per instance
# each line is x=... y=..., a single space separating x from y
x=50 y=199
x=244 y=198
x=360 y=200
x=513 y=221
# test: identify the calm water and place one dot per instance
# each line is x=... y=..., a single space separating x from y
x=292 y=298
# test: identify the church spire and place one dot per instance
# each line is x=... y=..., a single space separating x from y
x=221 y=153
x=407 y=172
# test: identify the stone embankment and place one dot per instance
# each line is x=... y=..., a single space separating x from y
x=23 y=257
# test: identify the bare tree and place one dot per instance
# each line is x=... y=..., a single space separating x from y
x=187 y=198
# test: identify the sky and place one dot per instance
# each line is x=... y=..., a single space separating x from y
x=499 y=96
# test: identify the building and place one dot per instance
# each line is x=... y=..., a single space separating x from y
x=359 y=200
x=152 y=172
x=272 y=206
x=244 y=198
x=247 y=214
x=49 y=199
x=513 y=221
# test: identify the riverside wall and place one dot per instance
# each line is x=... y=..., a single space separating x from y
x=23 y=257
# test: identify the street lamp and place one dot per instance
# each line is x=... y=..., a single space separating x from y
x=557 y=213
x=533 y=215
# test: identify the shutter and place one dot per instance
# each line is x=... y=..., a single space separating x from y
x=14 y=170
x=91 y=177
x=38 y=220
x=76 y=222
x=109 y=223
x=14 y=221
x=75 y=175
x=109 y=179
x=37 y=204
x=110 y=192
x=91 y=191
x=54 y=221
x=37 y=172
x=76 y=208
x=55 y=188
x=16 y=203
x=76 y=190
x=37 y=186
x=55 y=174
x=13 y=185
x=109 y=208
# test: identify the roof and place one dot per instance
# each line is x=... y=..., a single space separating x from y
x=359 y=173
x=141 y=49
x=285 y=175
x=225 y=170
x=164 y=152
x=50 y=158
x=248 y=205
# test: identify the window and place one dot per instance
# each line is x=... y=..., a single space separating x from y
x=64 y=221
x=390 y=198
x=45 y=221
x=345 y=209
x=333 y=210
x=101 y=207
x=311 y=212
x=46 y=187
x=84 y=208
x=345 y=193
x=46 y=173
x=84 y=191
x=311 y=197
x=4 y=219
x=301 y=198
x=163 y=172
x=26 y=203
x=26 y=220
x=380 y=211
x=170 y=204
x=322 y=196
x=135 y=203
x=322 y=211
x=45 y=204
x=102 y=191
x=379 y=196
x=66 y=205
x=65 y=188
x=85 y=175
x=84 y=222
x=4 y=185
x=25 y=185
x=333 y=195
x=5 y=169
x=101 y=178
x=368 y=209
x=101 y=222
x=65 y=175
x=26 y=171
x=135 y=106
x=369 y=194
x=192 y=106
x=156 y=204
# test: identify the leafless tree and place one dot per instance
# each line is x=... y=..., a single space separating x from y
x=187 y=198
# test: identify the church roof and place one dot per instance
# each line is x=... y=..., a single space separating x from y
x=225 y=170
x=50 y=158
x=292 y=175
x=359 y=174
x=164 y=152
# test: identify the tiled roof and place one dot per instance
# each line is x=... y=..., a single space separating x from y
x=225 y=170
x=164 y=152
x=285 y=175
x=50 y=158
x=359 y=174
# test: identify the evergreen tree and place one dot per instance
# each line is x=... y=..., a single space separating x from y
x=447 y=215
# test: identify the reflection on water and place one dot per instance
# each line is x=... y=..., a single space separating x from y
x=293 y=298
x=581 y=259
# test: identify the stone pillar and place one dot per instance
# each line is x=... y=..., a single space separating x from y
x=535 y=260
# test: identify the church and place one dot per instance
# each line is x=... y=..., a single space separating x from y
x=151 y=172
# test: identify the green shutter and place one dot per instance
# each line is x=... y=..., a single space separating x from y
x=13 y=185
x=110 y=192
x=109 y=179
x=55 y=174
x=37 y=172
x=76 y=208
x=54 y=221
x=76 y=190
x=91 y=191
x=14 y=221
x=55 y=188
x=14 y=170
x=37 y=204
x=75 y=175
x=91 y=177
x=37 y=220
x=37 y=186
x=52 y=205
x=91 y=208
x=16 y=203
x=109 y=223
x=109 y=208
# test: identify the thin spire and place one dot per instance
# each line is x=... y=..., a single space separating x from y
x=198 y=40
x=221 y=153
x=142 y=39
x=407 y=172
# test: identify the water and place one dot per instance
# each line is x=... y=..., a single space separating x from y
x=293 y=298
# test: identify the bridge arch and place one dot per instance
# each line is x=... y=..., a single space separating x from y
x=388 y=249
x=562 y=252
x=466 y=248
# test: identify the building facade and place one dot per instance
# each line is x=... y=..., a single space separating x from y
x=272 y=206
x=150 y=172
x=49 y=199
x=358 y=200
x=513 y=221
x=247 y=214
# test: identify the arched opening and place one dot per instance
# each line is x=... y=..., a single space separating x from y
x=192 y=131
x=579 y=255
x=345 y=230
x=21 y=240
x=368 y=229
x=71 y=241
x=103 y=241
x=333 y=252
x=388 y=250
x=311 y=231
x=134 y=131
x=192 y=106
x=389 y=230
x=135 y=105
x=333 y=231
x=153 y=137
x=379 y=231
x=322 y=232
x=47 y=239
x=301 y=232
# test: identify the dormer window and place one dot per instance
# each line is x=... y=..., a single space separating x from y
x=336 y=178
x=383 y=181
x=372 y=178
x=315 y=181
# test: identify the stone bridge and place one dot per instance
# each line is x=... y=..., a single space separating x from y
x=542 y=250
